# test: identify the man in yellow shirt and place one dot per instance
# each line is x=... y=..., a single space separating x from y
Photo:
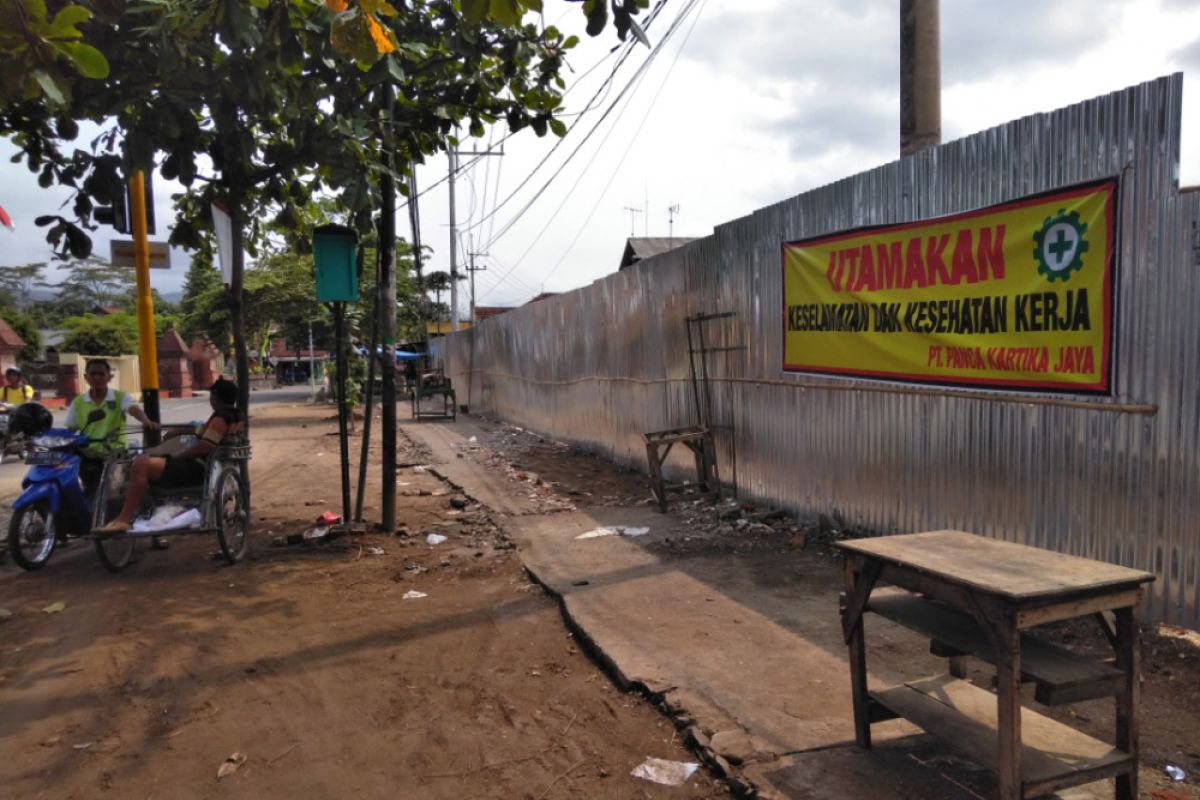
x=16 y=390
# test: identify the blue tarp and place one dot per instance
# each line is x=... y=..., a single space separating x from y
x=401 y=355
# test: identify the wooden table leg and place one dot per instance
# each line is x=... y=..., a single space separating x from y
x=1127 y=652
x=858 y=589
x=1008 y=691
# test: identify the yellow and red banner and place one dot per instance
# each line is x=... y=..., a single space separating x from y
x=1018 y=295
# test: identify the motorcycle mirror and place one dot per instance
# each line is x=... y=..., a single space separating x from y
x=96 y=415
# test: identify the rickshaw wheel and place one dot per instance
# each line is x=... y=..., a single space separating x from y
x=232 y=516
x=116 y=553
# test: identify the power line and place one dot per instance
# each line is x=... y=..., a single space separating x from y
x=635 y=80
x=632 y=139
x=592 y=103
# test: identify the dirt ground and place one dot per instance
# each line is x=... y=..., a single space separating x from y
x=309 y=661
x=777 y=550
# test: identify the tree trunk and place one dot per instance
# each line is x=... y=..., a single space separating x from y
x=237 y=318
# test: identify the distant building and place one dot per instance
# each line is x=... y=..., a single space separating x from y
x=638 y=248
x=107 y=311
x=487 y=312
x=10 y=344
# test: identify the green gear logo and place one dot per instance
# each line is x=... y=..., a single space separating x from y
x=1060 y=245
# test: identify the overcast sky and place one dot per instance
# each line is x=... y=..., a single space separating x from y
x=747 y=103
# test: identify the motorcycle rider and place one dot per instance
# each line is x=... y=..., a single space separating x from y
x=107 y=434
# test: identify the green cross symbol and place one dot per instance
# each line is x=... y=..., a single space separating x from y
x=1060 y=246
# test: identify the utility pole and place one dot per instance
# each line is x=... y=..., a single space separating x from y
x=671 y=212
x=454 y=154
x=633 y=212
x=450 y=153
x=920 y=76
x=473 y=269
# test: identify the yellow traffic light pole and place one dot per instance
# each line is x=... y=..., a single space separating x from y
x=148 y=345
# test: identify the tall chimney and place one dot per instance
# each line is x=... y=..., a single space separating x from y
x=920 y=76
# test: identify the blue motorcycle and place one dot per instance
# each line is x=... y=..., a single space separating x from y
x=53 y=505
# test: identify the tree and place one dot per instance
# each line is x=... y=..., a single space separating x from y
x=42 y=56
x=101 y=335
x=20 y=281
x=202 y=291
x=27 y=329
x=95 y=282
x=51 y=313
x=235 y=84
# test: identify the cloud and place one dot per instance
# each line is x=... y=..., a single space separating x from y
x=1188 y=56
x=983 y=39
x=800 y=43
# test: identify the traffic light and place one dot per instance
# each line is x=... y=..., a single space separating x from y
x=116 y=215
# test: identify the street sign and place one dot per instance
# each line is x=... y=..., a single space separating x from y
x=122 y=254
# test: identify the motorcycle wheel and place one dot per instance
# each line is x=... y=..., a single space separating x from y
x=31 y=536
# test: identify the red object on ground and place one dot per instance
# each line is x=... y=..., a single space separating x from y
x=330 y=518
x=6 y=220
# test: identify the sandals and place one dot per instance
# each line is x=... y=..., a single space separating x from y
x=113 y=528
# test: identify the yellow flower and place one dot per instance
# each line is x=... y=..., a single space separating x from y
x=383 y=43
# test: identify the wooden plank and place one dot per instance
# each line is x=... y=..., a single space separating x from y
x=853 y=629
x=1028 y=617
x=1013 y=571
x=1008 y=716
x=1127 y=649
x=965 y=716
x=1062 y=676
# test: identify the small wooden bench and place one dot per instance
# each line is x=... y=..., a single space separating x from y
x=1062 y=677
x=699 y=440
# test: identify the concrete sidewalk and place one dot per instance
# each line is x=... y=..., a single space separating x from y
x=754 y=667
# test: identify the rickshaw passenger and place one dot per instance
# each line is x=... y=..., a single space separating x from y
x=185 y=468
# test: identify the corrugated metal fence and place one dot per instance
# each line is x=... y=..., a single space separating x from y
x=1108 y=478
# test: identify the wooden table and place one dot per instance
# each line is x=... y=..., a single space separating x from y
x=975 y=596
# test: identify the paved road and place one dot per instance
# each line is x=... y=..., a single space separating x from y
x=173 y=411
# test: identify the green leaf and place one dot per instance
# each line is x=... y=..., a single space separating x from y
x=506 y=12
x=474 y=10
x=559 y=127
x=49 y=87
x=88 y=60
x=65 y=21
x=570 y=42
x=394 y=69
x=263 y=4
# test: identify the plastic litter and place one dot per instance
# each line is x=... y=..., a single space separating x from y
x=55 y=608
x=5 y=614
x=413 y=594
x=319 y=532
x=82 y=745
x=230 y=765
x=375 y=551
x=434 y=539
x=1175 y=773
x=668 y=773
x=614 y=530
x=169 y=518
x=329 y=518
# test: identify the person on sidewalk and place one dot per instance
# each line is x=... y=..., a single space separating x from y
x=107 y=434
x=16 y=391
x=185 y=468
